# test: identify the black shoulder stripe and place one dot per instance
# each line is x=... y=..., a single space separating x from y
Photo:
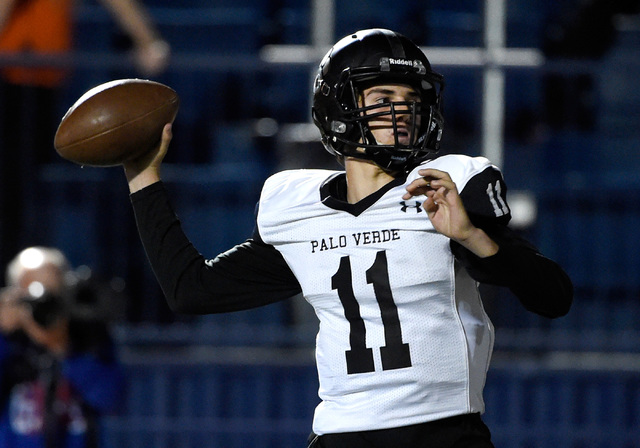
x=485 y=197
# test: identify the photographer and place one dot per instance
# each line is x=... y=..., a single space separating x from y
x=58 y=370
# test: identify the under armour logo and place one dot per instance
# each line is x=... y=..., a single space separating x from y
x=405 y=206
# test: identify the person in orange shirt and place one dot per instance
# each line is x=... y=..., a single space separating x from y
x=46 y=27
x=29 y=94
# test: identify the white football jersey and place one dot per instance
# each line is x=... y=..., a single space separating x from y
x=403 y=336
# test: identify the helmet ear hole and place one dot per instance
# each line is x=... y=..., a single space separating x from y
x=338 y=127
x=374 y=57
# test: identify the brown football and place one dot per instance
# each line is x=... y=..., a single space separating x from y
x=116 y=121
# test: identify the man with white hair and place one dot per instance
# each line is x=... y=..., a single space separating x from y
x=46 y=397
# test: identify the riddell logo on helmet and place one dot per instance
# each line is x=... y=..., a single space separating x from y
x=401 y=62
x=386 y=63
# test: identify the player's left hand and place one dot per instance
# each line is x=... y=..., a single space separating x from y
x=443 y=204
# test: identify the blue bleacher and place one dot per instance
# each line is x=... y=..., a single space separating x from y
x=205 y=403
x=205 y=398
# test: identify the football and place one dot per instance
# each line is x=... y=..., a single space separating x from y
x=116 y=121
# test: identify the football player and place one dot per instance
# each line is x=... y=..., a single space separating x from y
x=389 y=252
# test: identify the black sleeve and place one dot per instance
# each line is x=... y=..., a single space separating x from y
x=249 y=275
x=540 y=284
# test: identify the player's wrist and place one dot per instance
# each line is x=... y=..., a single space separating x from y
x=139 y=180
x=478 y=242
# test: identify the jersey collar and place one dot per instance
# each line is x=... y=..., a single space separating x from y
x=333 y=194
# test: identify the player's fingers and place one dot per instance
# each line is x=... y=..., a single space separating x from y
x=430 y=205
x=150 y=159
x=437 y=178
x=433 y=173
x=444 y=186
x=167 y=135
x=431 y=180
x=416 y=188
x=156 y=156
x=440 y=195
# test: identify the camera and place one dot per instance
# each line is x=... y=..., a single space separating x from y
x=45 y=307
x=83 y=301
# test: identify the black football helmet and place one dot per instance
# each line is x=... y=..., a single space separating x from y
x=363 y=59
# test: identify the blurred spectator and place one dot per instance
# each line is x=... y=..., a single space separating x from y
x=29 y=115
x=58 y=369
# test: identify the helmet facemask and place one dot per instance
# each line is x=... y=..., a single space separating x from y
x=420 y=119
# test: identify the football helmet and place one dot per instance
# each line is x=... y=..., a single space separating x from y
x=363 y=59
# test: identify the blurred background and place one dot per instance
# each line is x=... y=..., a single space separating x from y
x=546 y=89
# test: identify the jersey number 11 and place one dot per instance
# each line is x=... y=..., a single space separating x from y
x=395 y=354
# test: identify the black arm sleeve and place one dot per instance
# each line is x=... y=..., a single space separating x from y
x=250 y=275
x=540 y=284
